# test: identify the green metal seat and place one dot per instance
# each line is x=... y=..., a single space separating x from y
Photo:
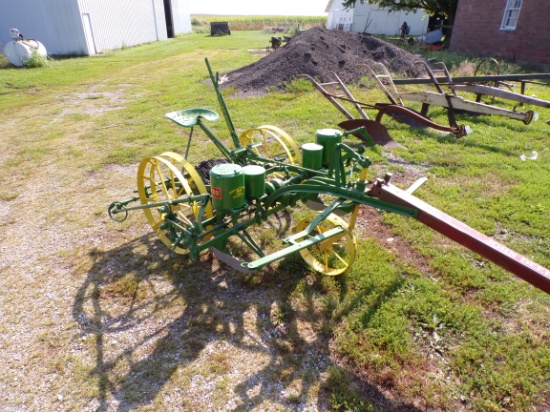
x=190 y=117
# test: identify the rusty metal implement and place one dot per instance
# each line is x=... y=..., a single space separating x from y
x=377 y=130
x=451 y=101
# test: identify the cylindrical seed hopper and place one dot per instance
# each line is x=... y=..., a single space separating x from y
x=312 y=156
x=328 y=138
x=254 y=180
x=227 y=182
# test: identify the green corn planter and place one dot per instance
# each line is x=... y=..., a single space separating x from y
x=312 y=156
x=254 y=181
x=328 y=138
x=227 y=181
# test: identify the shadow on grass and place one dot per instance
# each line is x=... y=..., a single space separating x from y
x=476 y=122
x=208 y=304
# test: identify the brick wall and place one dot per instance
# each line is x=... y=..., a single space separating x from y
x=477 y=31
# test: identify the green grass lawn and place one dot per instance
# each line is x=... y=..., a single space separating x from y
x=428 y=325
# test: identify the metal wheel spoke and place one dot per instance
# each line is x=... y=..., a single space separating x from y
x=331 y=256
x=340 y=258
x=185 y=219
x=275 y=144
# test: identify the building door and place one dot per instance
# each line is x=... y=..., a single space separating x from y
x=89 y=34
x=169 y=19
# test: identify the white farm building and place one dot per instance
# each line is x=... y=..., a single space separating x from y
x=369 y=18
x=87 y=27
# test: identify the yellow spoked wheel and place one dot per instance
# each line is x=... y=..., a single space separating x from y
x=193 y=177
x=275 y=144
x=168 y=177
x=194 y=180
x=334 y=255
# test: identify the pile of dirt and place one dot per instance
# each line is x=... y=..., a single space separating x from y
x=318 y=53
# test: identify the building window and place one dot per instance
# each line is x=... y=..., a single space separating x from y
x=511 y=15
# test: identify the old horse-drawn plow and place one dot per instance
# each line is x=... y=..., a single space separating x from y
x=452 y=101
x=375 y=128
x=265 y=173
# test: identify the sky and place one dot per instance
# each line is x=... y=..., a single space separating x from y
x=259 y=7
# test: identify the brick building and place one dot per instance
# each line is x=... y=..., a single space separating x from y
x=510 y=29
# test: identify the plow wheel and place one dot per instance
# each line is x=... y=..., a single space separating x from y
x=275 y=144
x=334 y=255
x=168 y=177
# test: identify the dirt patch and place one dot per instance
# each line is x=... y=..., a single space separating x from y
x=318 y=53
x=92 y=102
x=369 y=225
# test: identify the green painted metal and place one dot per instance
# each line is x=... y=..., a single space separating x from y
x=344 y=193
x=254 y=180
x=190 y=118
x=266 y=260
x=227 y=182
x=223 y=106
x=312 y=156
x=328 y=138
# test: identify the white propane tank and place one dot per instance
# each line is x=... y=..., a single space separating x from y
x=20 y=50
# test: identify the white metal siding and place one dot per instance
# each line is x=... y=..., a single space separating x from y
x=120 y=23
x=337 y=12
x=182 y=17
x=55 y=23
x=376 y=20
x=381 y=21
x=80 y=27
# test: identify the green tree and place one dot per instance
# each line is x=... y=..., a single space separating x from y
x=444 y=7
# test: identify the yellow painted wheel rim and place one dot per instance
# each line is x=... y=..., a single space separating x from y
x=195 y=182
x=163 y=175
x=333 y=256
x=275 y=144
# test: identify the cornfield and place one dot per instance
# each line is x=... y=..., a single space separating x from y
x=274 y=23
